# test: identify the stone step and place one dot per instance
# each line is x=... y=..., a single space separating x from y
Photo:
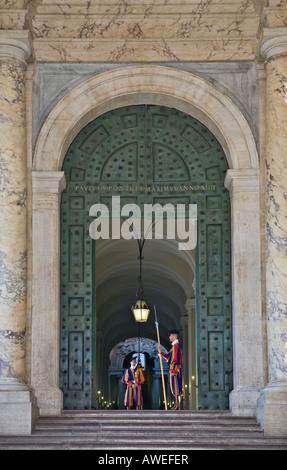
x=207 y=442
x=147 y=443
x=128 y=430
x=151 y=414
x=142 y=422
x=149 y=428
x=137 y=435
x=126 y=421
x=127 y=417
x=122 y=425
x=195 y=440
x=146 y=417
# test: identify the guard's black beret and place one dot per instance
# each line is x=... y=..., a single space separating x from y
x=173 y=332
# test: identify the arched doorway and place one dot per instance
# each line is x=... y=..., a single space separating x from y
x=200 y=99
x=144 y=154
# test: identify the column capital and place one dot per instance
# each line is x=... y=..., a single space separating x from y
x=47 y=187
x=273 y=42
x=48 y=181
x=15 y=44
x=243 y=180
x=184 y=321
x=190 y=304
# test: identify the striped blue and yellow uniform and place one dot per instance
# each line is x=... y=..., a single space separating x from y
x=133 y=395
x=174 y=360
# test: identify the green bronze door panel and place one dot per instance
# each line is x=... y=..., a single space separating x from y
x=76 y=304
x=214 y=304
x=145 y=154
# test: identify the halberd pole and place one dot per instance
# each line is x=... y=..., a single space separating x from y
x=160 y=358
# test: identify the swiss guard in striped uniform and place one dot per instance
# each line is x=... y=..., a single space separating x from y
x=174 y=360
x=134 y=378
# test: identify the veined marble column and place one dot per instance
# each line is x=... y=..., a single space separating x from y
x=272 y=409
x=15 y=396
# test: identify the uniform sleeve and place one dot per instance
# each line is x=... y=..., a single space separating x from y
x=142 y=377
x=125 y=377
x=166 y=356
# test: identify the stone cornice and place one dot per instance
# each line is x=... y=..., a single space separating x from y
x=84 y=31
x=134 y=32
x=12 y=19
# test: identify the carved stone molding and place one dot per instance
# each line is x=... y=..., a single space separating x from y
x=275 y=46
x=15 y=44
x=242 y=181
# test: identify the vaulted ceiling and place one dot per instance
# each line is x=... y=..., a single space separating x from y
x=168 y=279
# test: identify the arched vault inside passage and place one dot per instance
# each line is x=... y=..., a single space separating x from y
x=168 y=277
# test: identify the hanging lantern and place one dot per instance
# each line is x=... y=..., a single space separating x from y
x=141 y=311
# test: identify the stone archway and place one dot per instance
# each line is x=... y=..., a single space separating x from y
x=117 y=358
x=145 y=85
x=198 y=98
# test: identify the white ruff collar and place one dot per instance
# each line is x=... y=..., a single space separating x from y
x=174 y=342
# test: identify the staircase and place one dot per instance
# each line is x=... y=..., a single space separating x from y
x=146 y=430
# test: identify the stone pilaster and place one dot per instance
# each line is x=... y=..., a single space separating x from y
x=16 y=402
x=272 y=406
x=243 y=186
x=47 y=188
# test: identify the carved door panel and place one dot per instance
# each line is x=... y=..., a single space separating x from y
x=145 y=154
